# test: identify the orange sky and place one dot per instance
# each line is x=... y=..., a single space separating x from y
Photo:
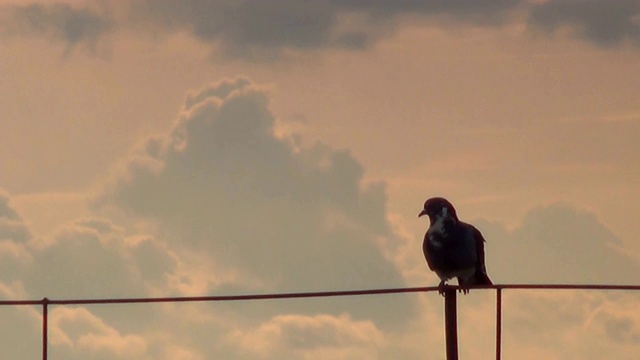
x=289 y=146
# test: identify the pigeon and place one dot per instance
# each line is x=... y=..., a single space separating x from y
x=453 y=248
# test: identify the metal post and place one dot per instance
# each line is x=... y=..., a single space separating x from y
x=45 y=319
x=498 y=323
x=451 y=323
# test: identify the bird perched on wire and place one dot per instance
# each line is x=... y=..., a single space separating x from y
x=453 y=248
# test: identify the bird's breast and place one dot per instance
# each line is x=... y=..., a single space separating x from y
x=437 y=242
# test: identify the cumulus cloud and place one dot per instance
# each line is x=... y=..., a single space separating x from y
x=209 y=189
x=605 y=23
x=179 y=353
x=86 y=264
x=14 y=239
x=310 y=337
x=22 y=333
x=12 y=226
x=91 y=258
x=223 y=184
x=571 y=324
x=558 y=244
x=77 y=330
x=619 y=321
x=15 y=260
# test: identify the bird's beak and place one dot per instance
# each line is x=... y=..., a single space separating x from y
x=423 y=212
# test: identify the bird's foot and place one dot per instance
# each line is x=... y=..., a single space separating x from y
x=442 y=287
x=463 y=286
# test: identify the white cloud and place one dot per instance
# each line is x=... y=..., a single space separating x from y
x=12 y=226
x=179 y=353
x=571 y=324
x=287 y=219
x=310 y=337
x=232 y=207
x=86 y=264
x=82 y=331
x=14 y=239
x=557 y=244
x=618 y=320
x=88 y=258
x=21 y=334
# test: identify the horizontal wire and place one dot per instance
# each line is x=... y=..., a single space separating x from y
x=317 y=294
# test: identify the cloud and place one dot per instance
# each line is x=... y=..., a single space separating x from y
x=77 y=330
x=23 y=322
x=525 y=255
x=571 y=324
x=603 y=23
x=12 y=226
x=14 y=239
x=618 y=321
x=60 y=21
x=92 y=258
x=557 y=244
x=310 y=337
x=251 y=28
x=221 y=183
x=6 y=209
x=231 y=206
x=86 y=263
x=266 y=31
x=178 y=353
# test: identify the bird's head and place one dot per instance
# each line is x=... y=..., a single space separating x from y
x=438 y=208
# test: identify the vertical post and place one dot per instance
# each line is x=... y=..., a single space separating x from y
x=498 y=323
x=45 y=320
x=451 y=323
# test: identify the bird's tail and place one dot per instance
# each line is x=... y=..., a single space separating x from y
x=482 y=278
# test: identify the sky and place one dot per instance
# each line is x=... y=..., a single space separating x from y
x=161 y=148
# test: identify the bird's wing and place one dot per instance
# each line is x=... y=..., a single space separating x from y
x=428 y=253
x=481 y=269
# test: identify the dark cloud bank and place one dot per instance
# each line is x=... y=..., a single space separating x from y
x=265 y=30
x=75 y=26
x=605 y=23
x=250 y=28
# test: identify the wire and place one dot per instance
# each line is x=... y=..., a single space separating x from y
x=449 y=294
x=298 y=295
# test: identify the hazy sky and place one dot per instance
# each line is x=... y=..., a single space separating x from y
x=161 y=148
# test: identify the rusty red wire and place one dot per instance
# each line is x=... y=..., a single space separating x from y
x=45 y=302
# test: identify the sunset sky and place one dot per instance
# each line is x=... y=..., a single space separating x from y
x=188 y=148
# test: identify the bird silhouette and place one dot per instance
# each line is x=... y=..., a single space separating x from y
x=453 y=248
